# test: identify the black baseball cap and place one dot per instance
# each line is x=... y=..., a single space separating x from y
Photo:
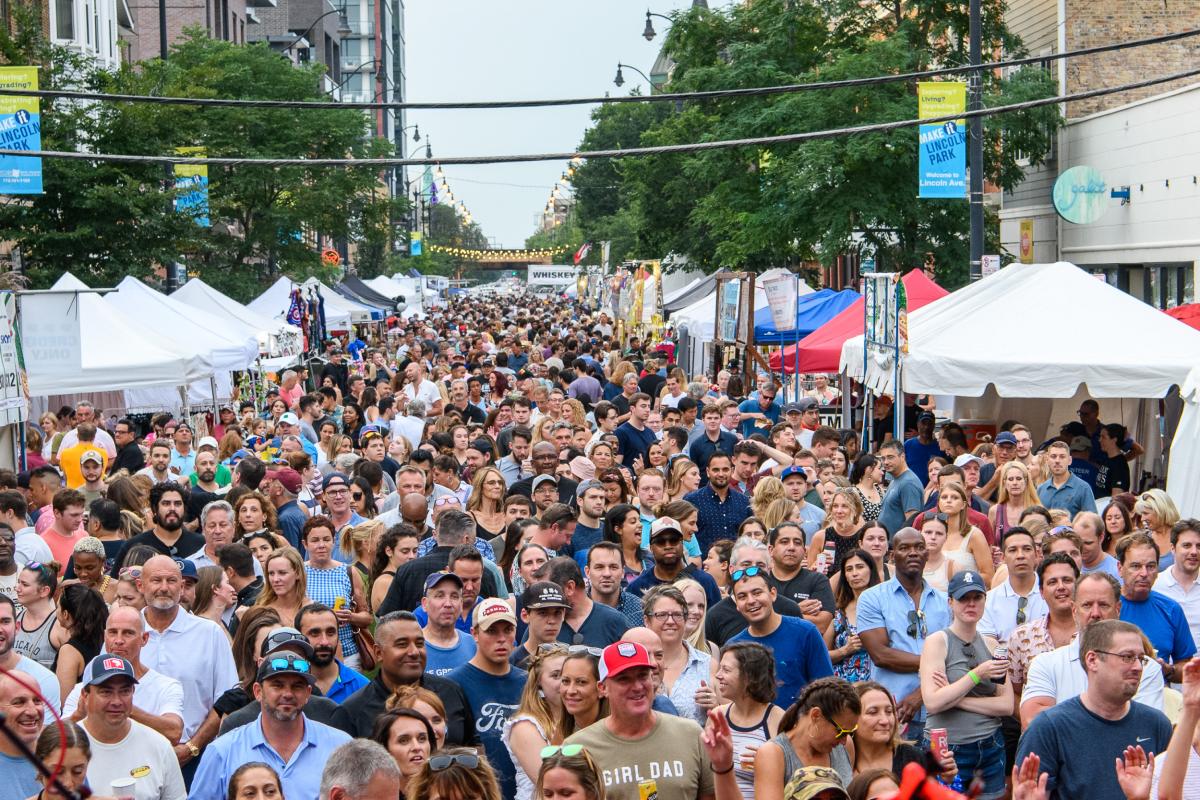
x=285 y=664
x=543 y=594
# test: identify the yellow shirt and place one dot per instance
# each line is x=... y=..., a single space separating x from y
x=69 y=462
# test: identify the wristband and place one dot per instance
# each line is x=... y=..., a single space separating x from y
x=723 y=771
x=974 y=678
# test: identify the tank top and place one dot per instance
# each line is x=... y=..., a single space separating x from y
x=871 y=510
x=936 y=577
x=525 y=783
x=742 y=739
x=87 y=650
x=35 y=644
x=964 y=727
x=842 y=546
x=962 y=556
x=839 y=760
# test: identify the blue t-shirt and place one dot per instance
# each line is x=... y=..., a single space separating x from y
x=800 y=656
x=1107 y=564
x=633 y=443
x=903 y=498
x=602 y=627
x=1164 y=624
x=584 y=537
x=751 y=406
x=1078 y=748
x=442 y=660
x=1085 y=470
x=811 y=518
x=20 y=778
x=917 y=454
x=493 y=699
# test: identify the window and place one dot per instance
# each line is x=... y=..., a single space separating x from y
x=65 y=24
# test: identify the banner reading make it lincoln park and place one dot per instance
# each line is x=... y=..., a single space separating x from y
x=943 y=145
x=20 y=129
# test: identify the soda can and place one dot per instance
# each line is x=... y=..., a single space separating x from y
x=938 y=741
x=648 y=790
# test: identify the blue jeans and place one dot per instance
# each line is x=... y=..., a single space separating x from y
x=985 y=756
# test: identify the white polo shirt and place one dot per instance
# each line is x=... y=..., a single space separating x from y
x=154 y=693
x=1000 y=611
x=196 y=652
x=1188 y=598
x=1059 y=676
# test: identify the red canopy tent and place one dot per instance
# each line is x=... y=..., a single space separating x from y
x=1187 y=314
x=821 y=350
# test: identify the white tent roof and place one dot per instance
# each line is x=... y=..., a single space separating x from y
x=78 y=343
x=232 y=346
x=388 y=287
x=680 y=291
x=1183 y=469
x=357 y=312
x=982 y=334
x=274 y=336
x=274 y=303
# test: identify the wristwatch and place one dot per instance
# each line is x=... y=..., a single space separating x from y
x=195 y=751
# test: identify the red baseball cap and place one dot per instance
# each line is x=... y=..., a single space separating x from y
x=620 y=656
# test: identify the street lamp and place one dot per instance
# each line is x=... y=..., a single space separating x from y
x=648 y=32
x=620 y=79
x=343 y=29
x=416 y=131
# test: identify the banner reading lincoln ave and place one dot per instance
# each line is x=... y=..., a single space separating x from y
x=20 y=129
x=943 y=161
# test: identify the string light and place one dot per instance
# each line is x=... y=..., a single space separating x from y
x=469 y=254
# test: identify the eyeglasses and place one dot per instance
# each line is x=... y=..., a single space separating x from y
x=1022 y=603
x=916 y=623
x=568 y=750
x=294 y=664
x=446 y=500
x=663 y=616
x=841 y=732
x=1128 y=659
x=748 y=572
x=468 y=760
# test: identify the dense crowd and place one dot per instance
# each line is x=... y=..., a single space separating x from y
x=500 y=553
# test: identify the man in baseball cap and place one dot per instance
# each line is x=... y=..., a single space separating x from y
x=190 y=576
x=91 y=466
x=493 y=686
x=543 y=609
x=640 y=739
x=446 y=647
x=281 y=485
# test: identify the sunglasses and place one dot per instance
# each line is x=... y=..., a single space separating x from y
x=916 y=623
x=748 y=572
x=468 y=760
x=568 y=750
x=294 y=664
x=595 y=652
x=842 y=732
x=356 y=495
x=667 y=539
x=130 y=573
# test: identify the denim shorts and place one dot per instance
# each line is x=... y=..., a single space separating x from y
x=985 y=756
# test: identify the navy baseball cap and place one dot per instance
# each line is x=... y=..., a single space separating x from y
x=1006 y=437
x=106 y=666
x=964 y=583
x=187 y=569
x=437 y=577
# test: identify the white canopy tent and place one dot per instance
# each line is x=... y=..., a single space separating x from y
x=275 y=338
x=1183 y=474
x=276 y=300
x=976 y=346
x=388 y=287
x=75 y=342
x=357 y=312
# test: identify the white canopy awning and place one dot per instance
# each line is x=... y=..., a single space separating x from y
x=276 y=300
x=275 y=337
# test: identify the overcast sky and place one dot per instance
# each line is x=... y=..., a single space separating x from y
x=521 y=49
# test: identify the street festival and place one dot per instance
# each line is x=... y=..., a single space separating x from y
x=834 y=434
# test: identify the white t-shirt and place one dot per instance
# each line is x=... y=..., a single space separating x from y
x=1191 y=779
x=102 y=438
x=1058 y=675
x=145 y=755
x=427 y=393
x=8 y=587
x=411 y=428
x=154 y=693
x=31 y=547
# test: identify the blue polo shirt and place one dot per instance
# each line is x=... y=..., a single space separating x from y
x=300 y=775
x=887 y=606
x=1164 y=624
x=1073 y=496
x=347 y=683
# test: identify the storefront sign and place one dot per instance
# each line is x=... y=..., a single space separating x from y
x=553 y=276
x=1081 y=195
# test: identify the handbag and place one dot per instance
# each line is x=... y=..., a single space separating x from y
x=363 y=638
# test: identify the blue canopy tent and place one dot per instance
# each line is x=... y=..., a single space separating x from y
x=812 y=311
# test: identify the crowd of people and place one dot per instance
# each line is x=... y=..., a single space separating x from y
x=498 y=553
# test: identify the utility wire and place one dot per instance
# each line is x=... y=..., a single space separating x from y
x=716 y=94
x=723 y=144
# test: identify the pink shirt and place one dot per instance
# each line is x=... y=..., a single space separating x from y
x=62 y=546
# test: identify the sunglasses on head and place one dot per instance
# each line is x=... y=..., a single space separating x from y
x=568 y=750
x=748 y=572
x=468 y=760
x=295 y=664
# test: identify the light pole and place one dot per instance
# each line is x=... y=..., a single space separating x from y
x=620 y=79
x=416 y=129
x=975 y=141
x=648 y=33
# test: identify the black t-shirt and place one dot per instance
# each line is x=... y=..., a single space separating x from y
x=621 y=403
x=724 y=621
x=408 y=587
x=187 y=543
x=1111 y=473
x=650 y=384
x=358 y=712
x=806 y=584
x=469 y=414
x=197 y=499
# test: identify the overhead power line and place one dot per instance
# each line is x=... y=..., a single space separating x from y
x=723 y=144
x=716 y=94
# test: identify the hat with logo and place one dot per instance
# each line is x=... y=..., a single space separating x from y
x=288 y=477
x=964 y=583
x=620 y=656
x=809 y=783
x=437 y=577
x=967 y=458
x=540 y=479
x=543 y=594
x=105 y=667
x=91 y=455
x=285 y=664
x=289 y=418
x=208 y=441
x=187 y=569
x=491 y=611
x=793 y=472
x=925 y=415
x=286 y=637
x=1081 y=444
x=1006 y=437
x=664 y=525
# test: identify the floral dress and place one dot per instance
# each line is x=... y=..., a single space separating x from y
x=853 y=668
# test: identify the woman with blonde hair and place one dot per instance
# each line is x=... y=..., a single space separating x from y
x=778 y=511
x=359 y=540
x=334 y=447
x=842 y=526
x=1016 y=492
x=534 y=724
x=286 y=586
x=574 y=413
x=541 y=431
x=683 y=479
x=767 y=491
x=965 y=544
x=486 y=503
x=697 y=616
x=1157 y=513
x=455 y=773
x=568 y=772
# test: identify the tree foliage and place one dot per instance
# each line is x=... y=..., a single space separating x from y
x=756 y=208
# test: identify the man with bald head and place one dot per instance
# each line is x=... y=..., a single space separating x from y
x=192 y=649
x=414 y=509
x=23 y=711
x=157 y=698
x=544 y=457
x=654 y=646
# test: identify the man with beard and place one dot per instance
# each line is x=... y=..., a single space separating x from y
x=400 y=654
x=789 y=576
x=167 y=502
x=24 y=712
x=721 y=508
x=1078 y=741
x=666 y=546
x=193 y=650
x=296 y=747
x=204 y=489
x=1159 y=617
x=160 y=462
x=334 y=679
x=121 y=747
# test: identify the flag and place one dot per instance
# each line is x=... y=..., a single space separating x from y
x=293 y=314
x=582 y=252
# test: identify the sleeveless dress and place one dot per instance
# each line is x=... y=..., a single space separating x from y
x=328 y=586
x=839 y=760
x=852 y=668
x=525 y=783
x=871 y=511
x=842 y=546
x=742 y=739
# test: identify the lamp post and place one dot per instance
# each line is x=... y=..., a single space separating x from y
x=648 y=33
x=416 y=129
x=620 y=79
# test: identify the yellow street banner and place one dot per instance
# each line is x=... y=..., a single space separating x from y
x=20 y=129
